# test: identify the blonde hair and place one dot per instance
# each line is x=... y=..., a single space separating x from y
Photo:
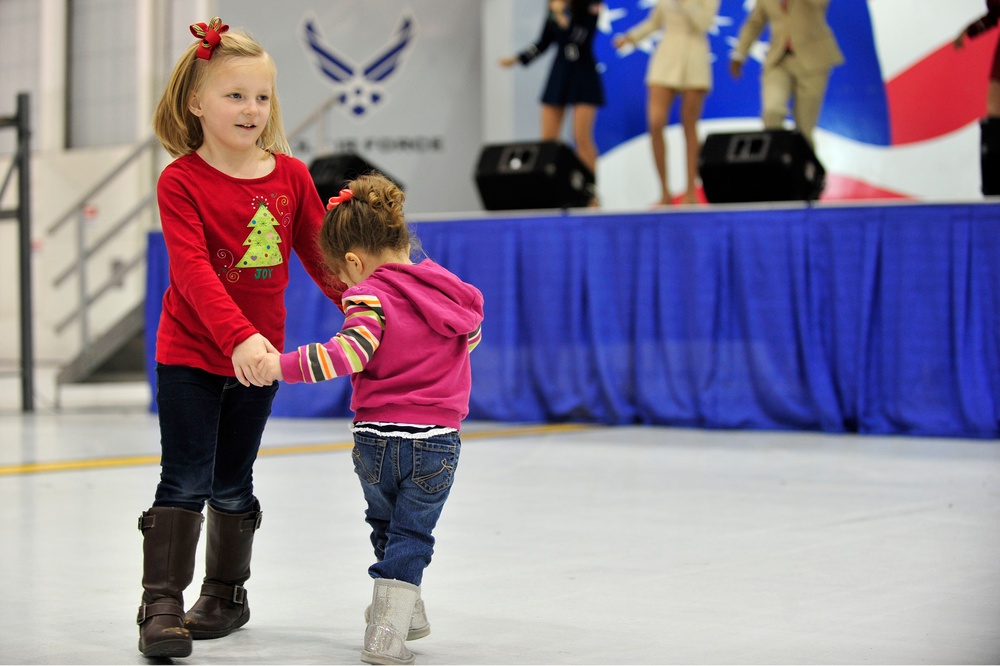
x=178 y=129
x=371 y=220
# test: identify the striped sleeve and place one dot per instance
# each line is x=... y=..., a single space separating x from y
x=351 y=349
x=475 y=337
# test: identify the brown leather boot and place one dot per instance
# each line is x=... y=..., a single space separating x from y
x=169 y=541
x=222 y=606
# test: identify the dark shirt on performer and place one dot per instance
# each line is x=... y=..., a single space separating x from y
x=574 y=78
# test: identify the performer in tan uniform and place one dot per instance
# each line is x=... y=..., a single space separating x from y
x=802 y=54
x=679 y=66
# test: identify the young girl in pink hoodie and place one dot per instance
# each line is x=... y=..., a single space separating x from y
x=405 y=342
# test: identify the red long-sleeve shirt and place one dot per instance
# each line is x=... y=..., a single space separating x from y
x=228 y=241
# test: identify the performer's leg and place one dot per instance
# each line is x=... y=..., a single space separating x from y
x=552 y=119
x=658 y=105
x=810 y=89
x=775 y=92
x=993 y=98
x=584 y=116
x=692 y=102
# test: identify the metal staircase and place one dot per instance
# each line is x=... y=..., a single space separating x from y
x=110 y=326
x=117 y=355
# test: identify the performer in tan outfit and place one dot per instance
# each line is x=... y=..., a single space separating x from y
x=680 y=65
x=802 y=53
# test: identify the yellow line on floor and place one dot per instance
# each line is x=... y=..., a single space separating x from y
x=291 y=449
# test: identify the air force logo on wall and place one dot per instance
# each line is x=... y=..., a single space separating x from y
x=359 y=87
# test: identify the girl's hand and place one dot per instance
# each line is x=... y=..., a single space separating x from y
x=269 y=367
x=508 y=62
x=246 y=356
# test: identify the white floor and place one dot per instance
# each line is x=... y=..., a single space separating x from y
x=590 y=545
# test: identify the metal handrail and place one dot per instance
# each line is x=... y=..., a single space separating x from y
x=87 y=253
x=136 y=262
x=74 y=209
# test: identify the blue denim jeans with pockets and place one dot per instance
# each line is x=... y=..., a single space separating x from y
x=405 y=482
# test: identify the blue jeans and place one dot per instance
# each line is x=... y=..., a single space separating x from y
x=210 y=431
x=406 y=483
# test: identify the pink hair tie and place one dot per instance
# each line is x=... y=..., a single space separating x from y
x=210 y=34
x=345 y=195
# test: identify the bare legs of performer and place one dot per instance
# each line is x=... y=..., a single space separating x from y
x=658 y=113
x=584 y=116
x=993 y=99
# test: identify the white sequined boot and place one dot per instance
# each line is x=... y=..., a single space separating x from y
x=419 y=626
x=385 y=636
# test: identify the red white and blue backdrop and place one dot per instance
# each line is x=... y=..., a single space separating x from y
x=900 y=120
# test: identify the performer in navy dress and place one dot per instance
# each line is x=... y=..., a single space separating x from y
x=574 y=79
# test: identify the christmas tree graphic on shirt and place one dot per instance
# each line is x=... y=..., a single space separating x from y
x=262 y=244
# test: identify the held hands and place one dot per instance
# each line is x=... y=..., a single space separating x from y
x=247 y=357
x=269 y=367
x=736 y=68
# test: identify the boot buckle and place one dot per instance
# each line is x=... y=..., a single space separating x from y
x=142 y=611
x=252 y=522
x=239 y=594
x=146 y=520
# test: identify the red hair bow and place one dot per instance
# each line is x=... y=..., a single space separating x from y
x=210 y=34
x=345 y=195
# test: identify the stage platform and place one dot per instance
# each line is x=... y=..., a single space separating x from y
x=877 y=319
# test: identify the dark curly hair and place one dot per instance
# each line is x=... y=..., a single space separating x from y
x=371 y=220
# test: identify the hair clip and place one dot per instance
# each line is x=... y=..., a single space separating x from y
x=210 y=34
x=345 y=195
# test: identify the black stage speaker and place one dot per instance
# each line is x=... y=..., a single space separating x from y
x=331 y=172
x=540 y=174
x=989 y=156
x=770 y=165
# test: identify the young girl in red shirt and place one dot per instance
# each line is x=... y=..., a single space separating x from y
x=233 y=205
